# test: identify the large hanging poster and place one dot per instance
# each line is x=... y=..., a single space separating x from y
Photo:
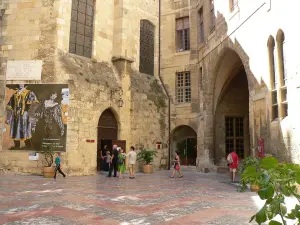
x=36 y=116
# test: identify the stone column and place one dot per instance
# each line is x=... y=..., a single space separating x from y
x=205 y=143
x=123 y=65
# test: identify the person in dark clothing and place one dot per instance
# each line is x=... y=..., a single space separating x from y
x=114 y=162
x=57 y=168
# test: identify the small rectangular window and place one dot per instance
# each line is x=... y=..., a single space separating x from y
x=183 y=87
x=233 y=4
x=274 y=112
x=284 y=60
x=201 y=76
x=284 y=101
x=274 y=105
x=201 y=26
x=212 y=16
x=284 y=110
x=182 y=34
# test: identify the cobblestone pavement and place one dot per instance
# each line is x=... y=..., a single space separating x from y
x=148 y=199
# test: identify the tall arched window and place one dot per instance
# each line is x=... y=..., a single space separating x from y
x=280 y=41
x=81 y=32
x=273 y=76
x=147 y=30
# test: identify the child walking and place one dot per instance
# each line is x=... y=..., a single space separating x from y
x=57 y=167
x=107 y=161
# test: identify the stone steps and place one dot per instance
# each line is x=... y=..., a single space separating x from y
x=188 y=168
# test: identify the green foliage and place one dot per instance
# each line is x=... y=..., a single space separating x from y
x=146 y=156
x=48 y=154
x=251 y=162
x=248 y=161
x=277 y=181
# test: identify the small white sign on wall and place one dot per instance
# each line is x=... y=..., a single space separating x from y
x=33 y=156
x=24 y=70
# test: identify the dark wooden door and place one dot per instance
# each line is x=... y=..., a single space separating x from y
x=120 y=143
x=107 y=131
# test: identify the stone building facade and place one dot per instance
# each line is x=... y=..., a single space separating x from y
x=229 y=67
x=231 y=70
x=97 y=48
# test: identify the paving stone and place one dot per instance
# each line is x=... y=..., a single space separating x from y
x=149 y=199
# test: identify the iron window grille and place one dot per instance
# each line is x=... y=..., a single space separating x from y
x=81 y=32
x=147 y=30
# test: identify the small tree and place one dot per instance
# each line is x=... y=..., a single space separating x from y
x=48 y=154
x=146 y=155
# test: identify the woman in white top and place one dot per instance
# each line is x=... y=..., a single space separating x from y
x=131 y=162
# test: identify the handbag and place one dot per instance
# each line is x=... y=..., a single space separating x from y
x=177 y=167
x=229 y=159
x=120 y=161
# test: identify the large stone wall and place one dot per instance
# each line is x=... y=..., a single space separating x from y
x=244 y=31
x=40 y=30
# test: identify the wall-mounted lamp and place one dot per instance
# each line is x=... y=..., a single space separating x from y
x=120 y=92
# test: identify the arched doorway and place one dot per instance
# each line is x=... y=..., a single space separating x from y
x=185 y=142
x=107 y=132
x=231 y=101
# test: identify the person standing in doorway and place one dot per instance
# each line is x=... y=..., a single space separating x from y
x=131 y=162
x=233 y=161
x=106 y=161
x=114 y=161
x=57 y=167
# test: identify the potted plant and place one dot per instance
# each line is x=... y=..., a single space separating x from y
x=147 y=156
x=48 y=170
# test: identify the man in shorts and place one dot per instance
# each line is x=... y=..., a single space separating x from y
x=233 y=161
x=131 y=162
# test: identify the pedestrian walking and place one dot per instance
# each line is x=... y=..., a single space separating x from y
x=121 y=163
x=131 y=162
x=233 y=161
x=114 y=162
x=176 y=166
x=57 y=167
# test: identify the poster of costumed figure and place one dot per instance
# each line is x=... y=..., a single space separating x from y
x=36 y=116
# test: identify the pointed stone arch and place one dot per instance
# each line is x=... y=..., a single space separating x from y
x=108 y=130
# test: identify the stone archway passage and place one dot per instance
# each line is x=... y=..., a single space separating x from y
x=184 y=141
x=107 y=132
x=232 y=117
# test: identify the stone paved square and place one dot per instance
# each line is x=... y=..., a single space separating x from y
x=149 y=199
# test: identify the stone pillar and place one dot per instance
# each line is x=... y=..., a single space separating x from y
x=123 y=65
x=205 y=143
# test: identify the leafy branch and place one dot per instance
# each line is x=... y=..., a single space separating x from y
x=277 y=182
